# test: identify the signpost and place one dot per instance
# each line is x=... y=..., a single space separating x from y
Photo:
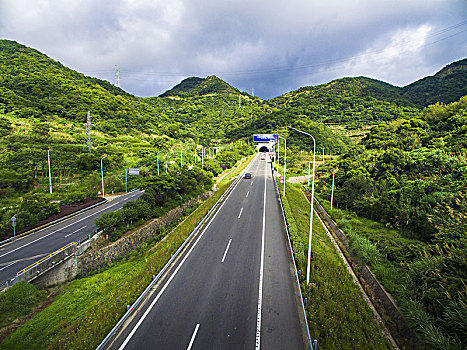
x=130 y=171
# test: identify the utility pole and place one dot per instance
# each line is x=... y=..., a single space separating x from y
x=332 y=188
x=239 y=102
x=102 y=175
x=253 y=92
x=323 y=155
x=50 y=173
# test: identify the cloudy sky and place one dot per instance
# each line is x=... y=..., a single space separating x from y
x=270 y=45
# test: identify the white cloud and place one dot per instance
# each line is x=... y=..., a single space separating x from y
x=271 y=45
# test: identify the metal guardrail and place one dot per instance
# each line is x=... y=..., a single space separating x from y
x=293 y=260
x=133 y=307
x=32 y=271
x=64 y=250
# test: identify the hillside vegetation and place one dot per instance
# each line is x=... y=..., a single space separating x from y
x=411 y=175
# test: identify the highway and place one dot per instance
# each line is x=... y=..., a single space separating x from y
x=234 y=285
x=27 y=249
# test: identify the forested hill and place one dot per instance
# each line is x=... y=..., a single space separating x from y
x=358 y=100
x=448 y=85
x=33 y=85
x=194 y=86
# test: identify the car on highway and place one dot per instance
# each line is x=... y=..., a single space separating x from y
x=247 y=176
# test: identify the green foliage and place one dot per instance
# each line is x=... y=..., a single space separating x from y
x=333 y=298
x=446 y=86
x=357 y=101
x=162 y=193
x=17 y=301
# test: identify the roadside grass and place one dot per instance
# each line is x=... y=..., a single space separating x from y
x=406 y=267
x=18 y=301
x=338 y=315
x=88 y=308
x=382 y=248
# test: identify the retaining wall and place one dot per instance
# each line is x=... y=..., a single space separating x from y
x=381 y=299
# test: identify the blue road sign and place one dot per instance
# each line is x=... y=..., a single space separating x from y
x=265 y=137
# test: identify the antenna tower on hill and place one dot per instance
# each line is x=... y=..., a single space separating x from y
x=89 y=138
x=117 y=76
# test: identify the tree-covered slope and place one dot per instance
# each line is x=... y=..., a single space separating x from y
x=195 y=86
x=448 y=85
x=348 y=100
x=32 y=84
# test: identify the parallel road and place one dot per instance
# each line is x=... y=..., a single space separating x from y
x=233 y=288
x=25 y=250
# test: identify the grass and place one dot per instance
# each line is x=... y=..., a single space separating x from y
x=337 y=313
x=18 y=301
x=88 y=308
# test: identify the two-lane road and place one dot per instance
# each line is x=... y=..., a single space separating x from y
x=25 y=250
x=233 y=288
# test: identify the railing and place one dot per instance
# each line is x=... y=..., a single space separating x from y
x=69 y=249
x=312 y=345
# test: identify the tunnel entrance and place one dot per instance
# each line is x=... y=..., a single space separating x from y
x=264 y=149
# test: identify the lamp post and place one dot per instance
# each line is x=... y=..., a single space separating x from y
x=50 y=172
x=102 y=175
x=310 y=235
x=278 y=149
x=157 y=156
x=181 y=158
x=285 y=162
x=332 y=188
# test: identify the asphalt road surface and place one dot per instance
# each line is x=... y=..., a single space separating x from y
x=22 y=252
x=234 y=285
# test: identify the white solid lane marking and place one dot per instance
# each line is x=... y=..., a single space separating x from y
x=11 y=251
x=247 y=194
x=76 y=231
x=3 y=268
x=240 y=213
x=193 y=337
x=260 y=287
x=226 y=250
x=146 y=313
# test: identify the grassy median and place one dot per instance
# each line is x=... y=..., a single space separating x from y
x=337 y=313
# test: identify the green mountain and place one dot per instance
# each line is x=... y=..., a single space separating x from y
x=194 y=86
x=448 y=85
x=33 y=85
x=358 y=101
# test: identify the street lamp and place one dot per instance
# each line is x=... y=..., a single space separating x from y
x=285 y=163
x=181 y=157
x=50 y=172
x=332 y=188
x=102 y=175
x=310 y=235
x=157 y=156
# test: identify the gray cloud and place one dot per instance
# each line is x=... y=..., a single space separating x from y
x=272 y=46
